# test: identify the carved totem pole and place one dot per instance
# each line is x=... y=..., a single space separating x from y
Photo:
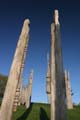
x=15 y=74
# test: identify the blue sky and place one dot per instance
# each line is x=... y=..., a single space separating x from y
x=12 y=15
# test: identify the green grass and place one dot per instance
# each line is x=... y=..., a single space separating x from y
x=36 y=112
x=40 y=111
x=74 y=114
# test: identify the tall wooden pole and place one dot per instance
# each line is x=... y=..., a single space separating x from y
x=15 y=73
x=48 y=82
x=68 y=91
x=19 y=87
x=58 y=106
x=29 y=90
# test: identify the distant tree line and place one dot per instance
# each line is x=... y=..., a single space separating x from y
x=3 y=81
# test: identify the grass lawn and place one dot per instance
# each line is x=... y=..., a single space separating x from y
x=40 y=111
x=36 y=112
x=74 y=114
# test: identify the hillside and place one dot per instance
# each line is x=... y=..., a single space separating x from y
x=40 y=111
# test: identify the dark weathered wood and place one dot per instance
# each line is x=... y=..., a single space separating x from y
x=58 y=106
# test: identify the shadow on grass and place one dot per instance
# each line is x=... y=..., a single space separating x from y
x=26 y=113
x=43 y=115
